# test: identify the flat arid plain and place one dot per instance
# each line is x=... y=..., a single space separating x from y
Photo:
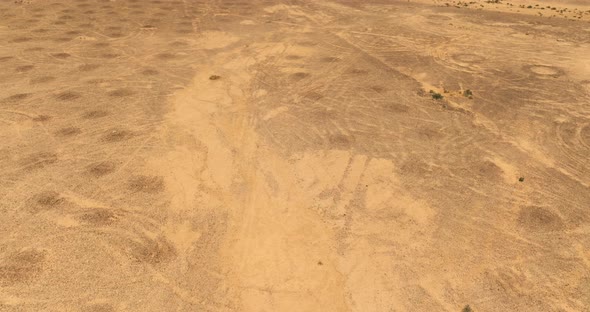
x=337 y=155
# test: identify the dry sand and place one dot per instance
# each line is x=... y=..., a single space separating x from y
x=222 y=155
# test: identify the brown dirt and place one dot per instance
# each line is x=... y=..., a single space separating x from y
x=266 y=155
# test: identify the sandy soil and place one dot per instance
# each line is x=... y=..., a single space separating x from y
x=222 y=155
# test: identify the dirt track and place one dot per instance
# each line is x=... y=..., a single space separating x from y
x=315 y=173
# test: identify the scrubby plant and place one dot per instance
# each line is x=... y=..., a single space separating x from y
x=467 y=308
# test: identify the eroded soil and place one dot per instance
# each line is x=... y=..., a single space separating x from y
x=223 y=155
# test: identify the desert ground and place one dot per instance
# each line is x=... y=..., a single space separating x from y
x=276 y=155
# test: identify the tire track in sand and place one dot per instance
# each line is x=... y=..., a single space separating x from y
x=277 y=255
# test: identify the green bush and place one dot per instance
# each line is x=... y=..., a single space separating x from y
x=437 y=96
